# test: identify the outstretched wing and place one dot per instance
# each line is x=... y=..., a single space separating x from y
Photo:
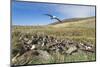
x=53 y=17
x=58 y=19
x=49 y=15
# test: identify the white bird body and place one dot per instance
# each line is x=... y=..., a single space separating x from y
x=53 y=17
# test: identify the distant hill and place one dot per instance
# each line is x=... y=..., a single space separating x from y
x=72 y=20
x=88 y=22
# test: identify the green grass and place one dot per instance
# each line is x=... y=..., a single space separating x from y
x=80 y=32
x=59 y=58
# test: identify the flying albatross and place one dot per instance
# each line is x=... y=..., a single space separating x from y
x=53 y=17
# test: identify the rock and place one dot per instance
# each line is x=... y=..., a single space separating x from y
x=27 y=57
x=40 y=48
x=71 y=49
x=87 y=47
x=44 y=55
x=33 y=47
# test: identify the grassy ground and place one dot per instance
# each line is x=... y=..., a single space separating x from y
x=80 y=31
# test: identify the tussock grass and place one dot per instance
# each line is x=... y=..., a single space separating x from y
x=81 y=31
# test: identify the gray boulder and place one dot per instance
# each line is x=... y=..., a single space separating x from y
x=33 y=57
x=71 y=49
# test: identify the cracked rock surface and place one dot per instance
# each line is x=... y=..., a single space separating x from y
x=41 y=47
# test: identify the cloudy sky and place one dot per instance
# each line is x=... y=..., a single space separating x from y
x=26 y=13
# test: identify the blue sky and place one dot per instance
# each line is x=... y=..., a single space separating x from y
x=25 y=13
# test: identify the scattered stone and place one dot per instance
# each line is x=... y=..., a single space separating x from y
x=41 y=46
x=28 y=56
x=71 y=50
x=87 y=47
